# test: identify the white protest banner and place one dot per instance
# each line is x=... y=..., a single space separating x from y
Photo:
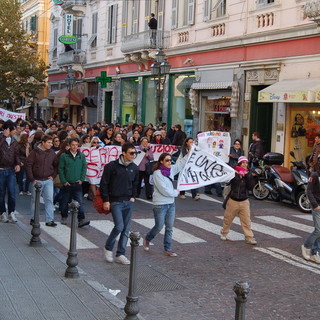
x=157 y=149
x=13 y=116
x=139 y=157
x=215 y=142
x=202 y=169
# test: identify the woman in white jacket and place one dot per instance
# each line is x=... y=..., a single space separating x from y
x=163 y=201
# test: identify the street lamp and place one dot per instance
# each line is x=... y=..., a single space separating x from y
x=159 y=68
x=70 y=81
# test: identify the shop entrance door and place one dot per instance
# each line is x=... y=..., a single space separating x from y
x=261 y=118
x=108 y=107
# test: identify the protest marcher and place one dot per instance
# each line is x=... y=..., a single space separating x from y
x=238 y=202
x=186 y=147
x=165 y=139
x=143 y=173
x=107 y=136
x=24 y=150
x=85 y=141
x=149 y=133
x=179 y=136
x=157 y=138
x=135 y=139
x=118 y=186
x=163 y=201
x=117 y=139
x=72 y=172
x=256 y=150
x=235 y=153
x=42 y=166
x=310 y=248
x=9 y=165
x=56 y=145
x=313 y=160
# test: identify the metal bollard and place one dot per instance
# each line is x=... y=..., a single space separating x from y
x=35 y=240
x=72 y=260
x=132 y=307
x=241 y=289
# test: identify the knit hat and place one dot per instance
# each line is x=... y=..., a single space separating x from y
x=242 y=159
x=157 y=133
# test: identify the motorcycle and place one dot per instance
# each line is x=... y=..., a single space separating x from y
x=286 y=184
x=259 y=191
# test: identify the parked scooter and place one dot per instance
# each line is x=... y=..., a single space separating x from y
x=286 y=184
x=259 y=191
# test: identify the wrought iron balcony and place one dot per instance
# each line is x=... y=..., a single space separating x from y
x=76 y=7
x=312 y=10
x=151 y=39
x=71 y=58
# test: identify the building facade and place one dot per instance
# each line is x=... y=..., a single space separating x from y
x=222 y=53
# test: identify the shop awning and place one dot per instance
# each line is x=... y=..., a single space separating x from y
x=211 y=85
x=301 y=90
x=61 y=98
x=45 y=103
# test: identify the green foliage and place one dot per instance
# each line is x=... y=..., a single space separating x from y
x=22 y=73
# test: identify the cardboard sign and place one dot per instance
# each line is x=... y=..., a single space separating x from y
x=13 y=116
x=217 y=143
x=203 y=169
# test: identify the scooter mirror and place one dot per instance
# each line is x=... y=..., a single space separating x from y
x=292 y=154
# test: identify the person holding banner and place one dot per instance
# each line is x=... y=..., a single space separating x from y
x=163 y=201
x=238 y=202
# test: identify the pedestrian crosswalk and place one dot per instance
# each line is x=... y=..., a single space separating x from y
x=189 y=230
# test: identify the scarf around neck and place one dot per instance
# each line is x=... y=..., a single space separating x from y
x=125 y=163
x=164 y=170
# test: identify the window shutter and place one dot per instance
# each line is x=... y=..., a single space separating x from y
x=206 y=10
x=147 y=12
x=174 y=14
x=135 y=22
x=124 y=19
x=190 y=12
x=114 y=24
x=160 y=14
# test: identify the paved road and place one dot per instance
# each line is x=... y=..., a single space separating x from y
x=198 y=283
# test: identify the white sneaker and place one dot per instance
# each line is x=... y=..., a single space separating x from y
x=223 y=238
x=28 y=193
x=4 y=217
x=12 y=218
x=21 y=193
x=122 y=259
x=315 y=258
x=108 y=255
x=306 y=252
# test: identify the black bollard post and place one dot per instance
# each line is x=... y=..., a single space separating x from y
x=241 y=289
x=72 y=260
x=35 y=240
x=132 y=307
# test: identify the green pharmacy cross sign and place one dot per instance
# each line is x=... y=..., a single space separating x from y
x=103 y=79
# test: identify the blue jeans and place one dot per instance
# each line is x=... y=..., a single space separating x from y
x=47 y=194
x=7 y=183
x=74 y=191
x=312 y=241
x=163 y=215
x=121 y=214
x=20 y=175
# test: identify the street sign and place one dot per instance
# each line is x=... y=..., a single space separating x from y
x=103 y=79
x=67 y=39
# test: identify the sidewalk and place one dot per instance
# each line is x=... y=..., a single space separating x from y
x=33 y=286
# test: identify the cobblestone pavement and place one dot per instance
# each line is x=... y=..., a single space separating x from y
x=198 y=283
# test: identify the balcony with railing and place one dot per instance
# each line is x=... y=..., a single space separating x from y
x=147 y=40
x=312 y=10
x=76 y=7
x=71 y=58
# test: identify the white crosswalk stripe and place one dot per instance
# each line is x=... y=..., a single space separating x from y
x=267 y=230
x=287 y=223
x=210 y=227
x=307 y=217
x=61 y=234
x=178 y=235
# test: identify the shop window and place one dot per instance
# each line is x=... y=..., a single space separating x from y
x=129 y=88
x=150 y=98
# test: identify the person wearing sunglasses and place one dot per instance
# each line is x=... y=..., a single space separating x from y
x=163 y=201
x=235 y=153
x=118 y=186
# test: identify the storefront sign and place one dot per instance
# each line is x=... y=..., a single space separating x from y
x=202 y=169
x=290 y=96
x=219 y=105
x=68 y=39
x=68 y=24
x=13 y=116
x=58 y=2
x=216 y=143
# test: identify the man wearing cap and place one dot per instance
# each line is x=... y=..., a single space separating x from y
x=238 y=202
x=310 y=248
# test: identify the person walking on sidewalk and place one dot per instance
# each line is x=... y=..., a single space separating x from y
x=42 y=166
x=163 y=201
x=118 y=188
x=310 y=247
x=72 y=172
x=9 y=165
x=238 y=202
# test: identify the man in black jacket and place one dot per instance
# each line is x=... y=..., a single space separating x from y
x=118 y=186
x=179 y=136
x=153 y=25
x=256 y=150
x=310 y=248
